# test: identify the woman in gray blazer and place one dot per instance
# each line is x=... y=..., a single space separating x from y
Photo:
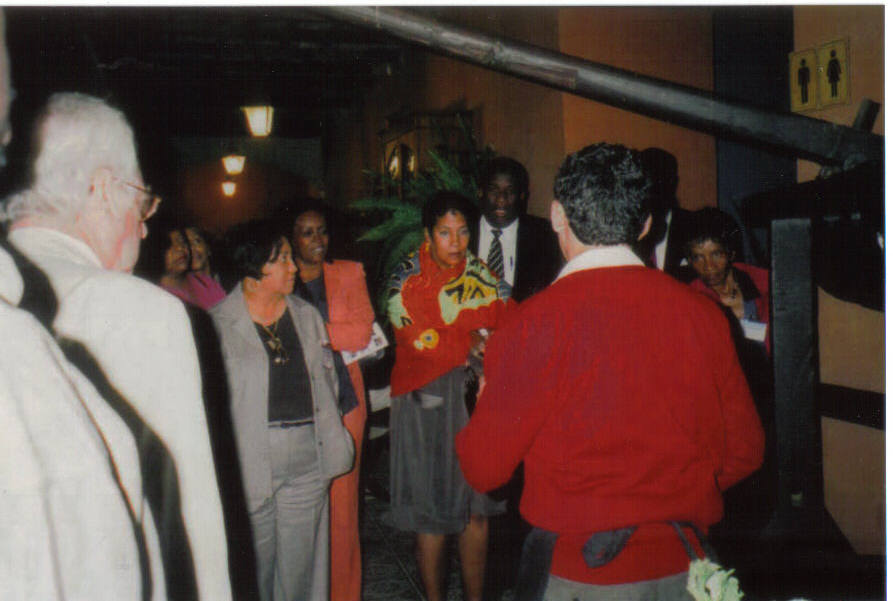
x=289 y=435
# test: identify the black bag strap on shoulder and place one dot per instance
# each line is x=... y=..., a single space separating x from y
x=535 y=565
x=702 y=540
x=602 y=547
x=536 y=558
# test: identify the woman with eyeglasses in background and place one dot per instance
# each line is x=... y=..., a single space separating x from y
x=283 y=391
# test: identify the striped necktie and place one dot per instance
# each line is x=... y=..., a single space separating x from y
x=494 y=257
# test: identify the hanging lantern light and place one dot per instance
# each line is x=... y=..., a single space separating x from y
x=260 y=120
x=229 y=188
x=233 y=163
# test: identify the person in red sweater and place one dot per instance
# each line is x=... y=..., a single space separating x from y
x=627 y=430
x=442 y=302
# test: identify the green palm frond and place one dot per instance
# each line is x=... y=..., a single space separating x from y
x=446 y=176
x=385 y=203
x=395 y=223
x=403 y=245
x=402 y=219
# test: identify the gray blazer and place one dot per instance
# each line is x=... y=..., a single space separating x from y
x=247 y=370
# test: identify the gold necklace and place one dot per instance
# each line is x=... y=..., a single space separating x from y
x=275 y=343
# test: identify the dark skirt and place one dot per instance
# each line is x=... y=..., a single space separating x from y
x=428 y=491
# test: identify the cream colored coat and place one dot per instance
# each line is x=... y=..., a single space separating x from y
x=141 y=338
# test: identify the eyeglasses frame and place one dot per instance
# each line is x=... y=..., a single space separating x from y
x=154 y=199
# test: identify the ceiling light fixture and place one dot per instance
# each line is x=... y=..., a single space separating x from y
x=229 y=188
x=260 y=120
x=233 y=163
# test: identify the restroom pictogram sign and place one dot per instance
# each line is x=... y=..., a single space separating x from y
x=834 y=73
x=803 y=77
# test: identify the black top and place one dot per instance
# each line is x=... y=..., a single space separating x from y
x=290 y=397
x=314 y=292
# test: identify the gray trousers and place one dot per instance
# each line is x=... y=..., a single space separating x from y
x=291 y=528
x=670 y=588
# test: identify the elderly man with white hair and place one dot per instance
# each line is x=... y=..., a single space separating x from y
x=81 y=221
x=67 y=528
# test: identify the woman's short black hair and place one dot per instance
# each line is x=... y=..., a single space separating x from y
x=712 y=224
x=444 y=202
x=251 y=245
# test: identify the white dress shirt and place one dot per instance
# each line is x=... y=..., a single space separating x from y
x=141 y=337
x=660 y=250
x=509 y=243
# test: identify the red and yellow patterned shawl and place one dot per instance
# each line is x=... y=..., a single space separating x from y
x=433 y=312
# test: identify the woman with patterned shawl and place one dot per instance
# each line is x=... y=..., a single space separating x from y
x=442 y=302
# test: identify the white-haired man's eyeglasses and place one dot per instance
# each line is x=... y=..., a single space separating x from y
x=148 y=204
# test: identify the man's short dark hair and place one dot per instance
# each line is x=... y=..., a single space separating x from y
x=251 y=245
x=604 y=192
x=444 y=202
x=715 y=225
x=664 y=172
x=515 y=171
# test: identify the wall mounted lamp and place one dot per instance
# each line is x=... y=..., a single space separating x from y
x=229 y=188
x=233 y=163
x=260 y=120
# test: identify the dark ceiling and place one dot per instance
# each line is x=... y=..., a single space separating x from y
x=186 y=71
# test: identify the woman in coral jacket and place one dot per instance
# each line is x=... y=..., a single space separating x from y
x=338 y=290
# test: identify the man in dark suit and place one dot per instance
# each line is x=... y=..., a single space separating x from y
x=664 y=246
x=520 y=248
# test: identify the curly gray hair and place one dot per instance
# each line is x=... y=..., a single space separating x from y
x=604 y=191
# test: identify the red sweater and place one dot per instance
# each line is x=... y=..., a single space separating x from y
x=620 y=390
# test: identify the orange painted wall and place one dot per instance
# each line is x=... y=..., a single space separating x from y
x=538 y=125
x=675 y=44
x=851 y=337
x=863 y=26
x=517 y=118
